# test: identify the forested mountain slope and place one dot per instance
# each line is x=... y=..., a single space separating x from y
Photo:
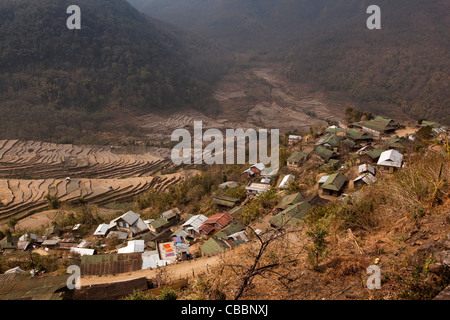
x=51 y=76
x=327 y=43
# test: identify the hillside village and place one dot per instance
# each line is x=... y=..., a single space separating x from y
x=326 y=165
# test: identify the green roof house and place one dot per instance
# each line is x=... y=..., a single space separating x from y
x=324 y=153
x=292 y=215
x=396 y=143
x=295 y=159
x=8 y=242
x=289 y=200
x=350 y=144
x=378 y=126
x=22 y=287
x=229 y=230
x=330 y=140
x=213 y=246
x=372 y=156
x=334 y=184
x=225 y=201
x=159 y=224
x=358 y=135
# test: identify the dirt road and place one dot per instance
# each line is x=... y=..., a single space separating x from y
x=175 y=271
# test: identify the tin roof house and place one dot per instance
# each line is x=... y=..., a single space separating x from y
x=173 y=214
x=254 y=189
x=133 y=246
x=390 y=161
x=254 y=170
x=293 y=139
x=365 y=178
x=193 y=224
x=287 y=179
x=131 y=223
x=103 y=229
x=216 y=222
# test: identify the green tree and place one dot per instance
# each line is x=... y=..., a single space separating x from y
x=139 y=295
x=12 y=223
x=53 y=201
x=168 y=294
x=318 y=250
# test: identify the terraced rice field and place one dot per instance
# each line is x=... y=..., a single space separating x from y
x=30 y=170
x=24 y=197
x=39 y=160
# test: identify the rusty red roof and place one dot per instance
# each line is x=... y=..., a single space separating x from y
x=222 y=219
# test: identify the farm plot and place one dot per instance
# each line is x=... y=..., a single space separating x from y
x=24 y=197
x=36 y=160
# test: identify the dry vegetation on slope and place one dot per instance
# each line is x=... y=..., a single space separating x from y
x=403 y=221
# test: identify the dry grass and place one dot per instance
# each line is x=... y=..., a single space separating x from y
x=385 y=226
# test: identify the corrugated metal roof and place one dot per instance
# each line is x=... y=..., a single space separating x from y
x=259 y=166
x=222 y=219
x=335 y=182
x=83 y=251
x=118 y=234
x=297 y=156
x=330 y=139
x=355 y=134
x=375 y=153
x=133 y=246
x=102 y=229
x=391 y=158
x=169 y=214
x=323 y=179
x=50 y=242
x=225 y=201
x=14 y=270
x=195 y=222
x=158 y=223
x=206 y=229
x=286 y=180
x=292 y=215
x=229 y=184
x=229 y=230
x=290 y=200
x=21 y=287
x=139 y=226
x=111 y=263
x=150 y=259
x=366 y=168
x=130 y=217
x=378 y=124
x=368 y=178
x=324 y=153
x=258 y=187
x=212 y=247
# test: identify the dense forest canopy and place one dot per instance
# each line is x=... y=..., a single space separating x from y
x=327 y=43
x=239 y=24
x=120 y=58
x=406 y=63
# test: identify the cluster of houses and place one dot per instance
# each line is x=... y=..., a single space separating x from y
x=169 y=238
x=51 y=240
x=373 y=141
